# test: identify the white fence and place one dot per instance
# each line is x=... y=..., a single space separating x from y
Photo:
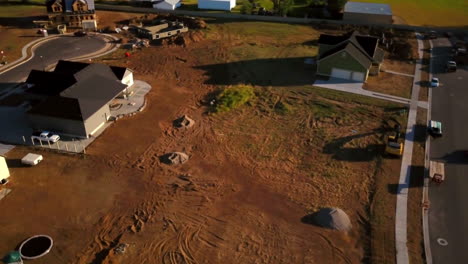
x=74 y=146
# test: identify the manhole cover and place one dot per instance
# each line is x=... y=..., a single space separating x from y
x=442 y=242
x=36 y=247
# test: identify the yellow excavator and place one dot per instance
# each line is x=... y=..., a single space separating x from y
x=395 y=143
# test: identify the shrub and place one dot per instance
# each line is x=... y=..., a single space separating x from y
x=246 y=8
x=233 y=97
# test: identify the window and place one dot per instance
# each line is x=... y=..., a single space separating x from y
x=157 y=36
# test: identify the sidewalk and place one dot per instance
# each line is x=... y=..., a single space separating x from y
x=402 y=256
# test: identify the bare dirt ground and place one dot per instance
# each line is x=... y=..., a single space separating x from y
x=253 y=173
x=390 y=83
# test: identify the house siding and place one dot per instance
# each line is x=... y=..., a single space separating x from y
x=94 y=121
x=368 y=18
x=58 y=125
x=337 y=61
x=128 y=78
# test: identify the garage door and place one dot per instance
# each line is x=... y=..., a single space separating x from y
x=342 y=74
x=358 y=76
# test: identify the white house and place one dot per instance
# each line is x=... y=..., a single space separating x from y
x=4 y=172
x=217 y=4
x=167 y=4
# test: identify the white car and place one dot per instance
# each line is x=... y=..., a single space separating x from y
x=46 y=136
x=435 y=82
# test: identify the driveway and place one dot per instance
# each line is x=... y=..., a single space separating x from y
x=356 y=88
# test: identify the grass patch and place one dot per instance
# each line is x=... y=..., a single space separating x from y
x=389 y=83
x=434 y=12
x=233 y=97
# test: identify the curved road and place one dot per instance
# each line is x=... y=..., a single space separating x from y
x=49 y=52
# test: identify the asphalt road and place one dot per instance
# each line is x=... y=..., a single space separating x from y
x=448 y=213
x=64 y=47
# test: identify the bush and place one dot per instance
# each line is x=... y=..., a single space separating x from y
x=233 y=97
x=246 y=8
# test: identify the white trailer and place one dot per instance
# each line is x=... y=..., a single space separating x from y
x=31 y=159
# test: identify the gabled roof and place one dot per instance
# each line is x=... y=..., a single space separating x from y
x=171 y=2
x=351 y=49
x=49 y=83
x=361 y=47
x=76 y=90
x=68 y=4
x=74 y=67
x=59 y=107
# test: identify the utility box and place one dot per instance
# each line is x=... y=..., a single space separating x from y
x=4 y=172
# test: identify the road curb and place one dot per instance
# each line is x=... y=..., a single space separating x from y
x=425 y=198
x=24 y=58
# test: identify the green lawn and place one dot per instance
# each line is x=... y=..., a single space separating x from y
x=429 y=12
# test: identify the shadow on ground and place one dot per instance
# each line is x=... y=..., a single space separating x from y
x=265 y=72
x=455 y=157
x=416 y=180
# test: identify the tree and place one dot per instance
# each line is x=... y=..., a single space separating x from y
x=246 y=7
x=336 y=6
x=282 y=7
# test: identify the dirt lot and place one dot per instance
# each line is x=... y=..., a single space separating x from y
x=253 y=172
x=390 y=83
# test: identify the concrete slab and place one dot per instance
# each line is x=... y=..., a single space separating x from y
x=4 y=192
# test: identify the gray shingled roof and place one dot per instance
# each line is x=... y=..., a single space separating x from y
x=362 y=48
x=368 y=8
x=94 y=86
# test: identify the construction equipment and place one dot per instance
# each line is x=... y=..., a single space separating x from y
x=394 y=144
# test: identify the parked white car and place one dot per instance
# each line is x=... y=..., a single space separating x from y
x=435 y=82
x=46 y=136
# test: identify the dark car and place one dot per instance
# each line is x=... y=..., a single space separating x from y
x=80 y=34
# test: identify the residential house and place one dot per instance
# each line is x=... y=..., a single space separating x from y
x=217 y=4
x=72 y=13
x=350 y=56
x=74 y=99
x=167 y=4
x=370 y=13
x=163 y=30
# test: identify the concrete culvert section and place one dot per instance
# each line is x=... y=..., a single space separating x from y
x=174 y=158
x=333 y=218
x=35 y=247
x=184 y=122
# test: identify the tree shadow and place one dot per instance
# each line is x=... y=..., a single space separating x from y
x=456 y=157
x=416 y=180
x=21 y=22
x=357 y=154
x=265 y=72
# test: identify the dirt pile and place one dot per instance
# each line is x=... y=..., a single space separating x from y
x=184 y=122
x=174 y=158
x=184 y=39
x=333 y=218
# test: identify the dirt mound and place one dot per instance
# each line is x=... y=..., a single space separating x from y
x=183 y=40
x=174 y=158
x=184 y=122
x=333 y=218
